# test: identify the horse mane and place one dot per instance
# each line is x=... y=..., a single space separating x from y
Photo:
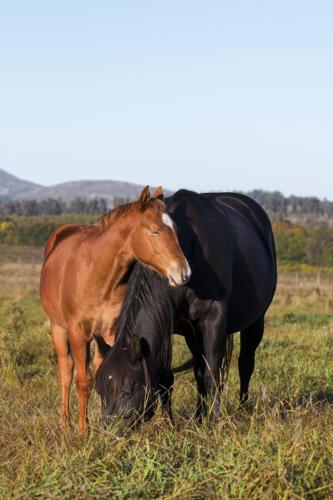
x=110 y=217
x=113 y=215
x=147 y=292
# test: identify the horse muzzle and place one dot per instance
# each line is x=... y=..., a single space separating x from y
x=179 y=275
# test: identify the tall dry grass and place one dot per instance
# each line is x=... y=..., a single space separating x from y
x=281 y=447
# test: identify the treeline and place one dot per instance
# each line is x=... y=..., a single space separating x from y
x=94 y=206
x=276 y=203
x=295 y=244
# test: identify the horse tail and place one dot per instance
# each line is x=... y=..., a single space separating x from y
x=227 y=357
x=184 y=367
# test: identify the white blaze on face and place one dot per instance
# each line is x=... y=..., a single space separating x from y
x=167 y=221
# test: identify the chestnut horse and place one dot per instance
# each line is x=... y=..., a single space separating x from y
x=84 y=276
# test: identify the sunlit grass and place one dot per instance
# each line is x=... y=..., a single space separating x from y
x=281 y=447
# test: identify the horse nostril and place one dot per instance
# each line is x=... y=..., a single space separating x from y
x=185 y=274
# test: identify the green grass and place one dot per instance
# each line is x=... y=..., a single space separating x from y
x=282 y=447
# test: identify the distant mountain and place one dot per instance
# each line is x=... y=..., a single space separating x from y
x=67 y=191
x=13 y=187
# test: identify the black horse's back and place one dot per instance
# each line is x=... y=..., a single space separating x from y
x=254 y=270
x=251 y=210
x=228 y=240
x=227 y=202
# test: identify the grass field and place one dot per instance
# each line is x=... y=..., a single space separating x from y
x=282 y=447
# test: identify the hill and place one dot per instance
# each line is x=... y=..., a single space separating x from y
x=13 y=187
x=68 y=191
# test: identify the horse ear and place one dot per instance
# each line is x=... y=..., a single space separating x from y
x=135 y=348
x=159 y=195
x=144 y=199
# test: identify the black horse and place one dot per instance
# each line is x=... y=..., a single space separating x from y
x=138 y=366
x=228 y=241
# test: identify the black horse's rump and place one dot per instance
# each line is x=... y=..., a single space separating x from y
x=146 y=312
x=228 y=241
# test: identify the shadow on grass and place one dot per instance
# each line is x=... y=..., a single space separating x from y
x=322 y=396
x=259 y=406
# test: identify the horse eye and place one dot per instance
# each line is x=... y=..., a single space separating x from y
x=125 y=394
x=155 y=232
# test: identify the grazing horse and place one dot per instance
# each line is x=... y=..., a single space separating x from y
x=84 y=277
x=138 y=366
x=228 y=241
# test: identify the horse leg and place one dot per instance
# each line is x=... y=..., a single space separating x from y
x=250 y=338
x=166 y=387
x=65 y=368
x=194 y=343
x=80 y=343
x=214 y=349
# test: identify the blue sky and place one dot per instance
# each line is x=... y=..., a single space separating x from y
x=210 y=95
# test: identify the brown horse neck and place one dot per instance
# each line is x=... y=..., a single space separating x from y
x=113 y=259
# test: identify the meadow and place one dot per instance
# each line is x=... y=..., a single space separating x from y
x=280 y=447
